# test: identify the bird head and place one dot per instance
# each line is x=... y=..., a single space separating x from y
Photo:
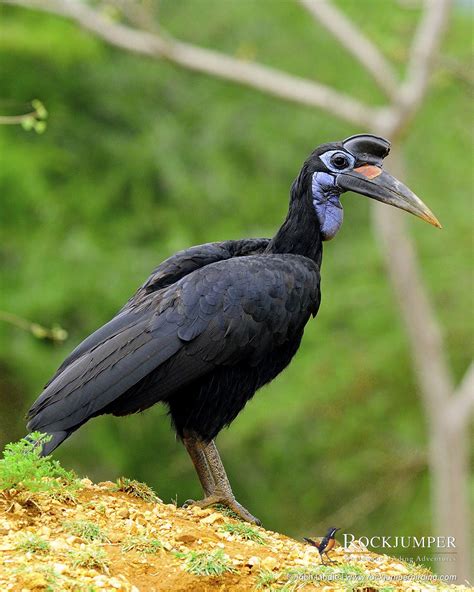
x=355 y=164
x=332 y=531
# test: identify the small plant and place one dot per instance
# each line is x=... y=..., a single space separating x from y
x=300 y=576
x=32 y=543
x=272 y=582
x=266 y=579
x=86 y=530
x=92 y=557
x=417 y=570
x=142 y=544
x=227 y=512
x=204 y=563
x=48 y=573
x=22 y=468
x=137 y=489
x=244 y=531
x=354 y=575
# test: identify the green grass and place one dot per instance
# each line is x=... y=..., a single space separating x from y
x=91 y=557
x=137 y=489
x=275 y=581
x=33 y=543
x=142 y=544
x=89 y=531
x=227 y=511
x=352 y=576
x=266 y=579
x=205 y=563
x=244 y=531
x=22 y=468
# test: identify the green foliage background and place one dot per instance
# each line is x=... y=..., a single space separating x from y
x=141 y=158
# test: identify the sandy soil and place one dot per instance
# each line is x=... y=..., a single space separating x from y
x=112 y=540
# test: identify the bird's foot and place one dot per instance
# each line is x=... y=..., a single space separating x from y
x=225 y=500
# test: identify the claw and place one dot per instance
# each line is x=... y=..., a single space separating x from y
x=231 y=503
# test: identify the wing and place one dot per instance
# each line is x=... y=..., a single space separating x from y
x=167 y=273
x=222 y=314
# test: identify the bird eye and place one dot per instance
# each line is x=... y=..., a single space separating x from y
x=339 y=161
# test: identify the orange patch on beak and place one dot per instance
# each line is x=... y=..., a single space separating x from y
x=369 y=171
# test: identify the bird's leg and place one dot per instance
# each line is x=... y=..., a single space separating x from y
x=198 y=457
x=222 y=492
x=328 y=558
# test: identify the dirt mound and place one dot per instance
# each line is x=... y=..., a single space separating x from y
x=109 y=537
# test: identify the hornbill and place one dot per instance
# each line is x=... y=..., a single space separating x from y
x=215 y=322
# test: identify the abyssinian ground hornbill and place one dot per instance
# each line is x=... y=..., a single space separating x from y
x=215 y=322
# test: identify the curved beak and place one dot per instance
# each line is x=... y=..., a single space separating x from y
x=376 y=183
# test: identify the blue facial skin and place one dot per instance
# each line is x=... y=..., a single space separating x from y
x=326 y=203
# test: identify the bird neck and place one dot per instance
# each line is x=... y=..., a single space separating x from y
x=300 y=233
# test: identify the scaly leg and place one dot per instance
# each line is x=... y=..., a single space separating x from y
x=193 y=446
x=222 y=491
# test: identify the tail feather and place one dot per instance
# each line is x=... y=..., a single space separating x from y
x=56 y=439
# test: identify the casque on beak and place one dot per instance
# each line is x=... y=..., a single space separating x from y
x=374 y=182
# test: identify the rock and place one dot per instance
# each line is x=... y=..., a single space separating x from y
x=196 y=510
x=115 y=537
x=100 y=581
x=215 y=517
x=186 y=538
x=58 y=545
x=45 y=531
x=35 y=580
x=253 y=561
x=269 y=563
x=115 y=583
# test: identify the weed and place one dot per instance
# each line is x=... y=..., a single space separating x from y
x=273 y=582
x=92 y=557
x=32 y=543
x=227 y=512
x=22 y=468
x=244 y=531
x=204 y=563
x=50 y=578
x=355 y=577
x=86 y=530
x=137 y=489
x=266 y=579
x=142 y=544
x=417 y=570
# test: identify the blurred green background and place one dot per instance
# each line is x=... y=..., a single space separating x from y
x=141 y=158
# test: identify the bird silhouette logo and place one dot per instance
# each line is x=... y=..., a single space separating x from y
x=326 y=544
